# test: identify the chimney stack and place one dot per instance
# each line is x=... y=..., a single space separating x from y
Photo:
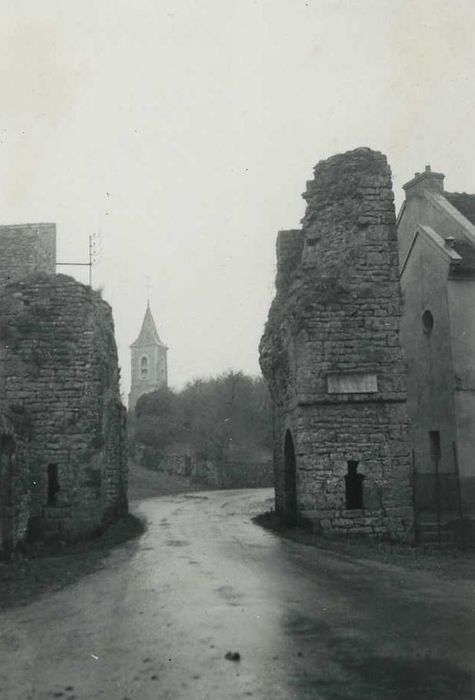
x=426 y=181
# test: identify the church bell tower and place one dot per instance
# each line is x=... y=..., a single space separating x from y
x=148 y=361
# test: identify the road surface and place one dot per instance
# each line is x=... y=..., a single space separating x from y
x=158 y=619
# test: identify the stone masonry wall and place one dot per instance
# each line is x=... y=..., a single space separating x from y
x=60 y=375
x=331 y=352
x=25 y=249
x=14 y=479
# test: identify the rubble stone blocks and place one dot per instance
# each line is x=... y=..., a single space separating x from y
x=63 y=461
x=25 y=249
x=332 y=358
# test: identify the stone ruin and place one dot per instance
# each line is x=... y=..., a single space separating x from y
x=63 y=466
x=332 y=357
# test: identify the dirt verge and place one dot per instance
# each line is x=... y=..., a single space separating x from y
x=452 y=564
x=52 y=567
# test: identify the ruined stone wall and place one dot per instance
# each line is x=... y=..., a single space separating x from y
x=177 y=458
x=60 y=373
x=230 y=473
x=331 y=352
x=15 y=486
x=289 y=249
x=25 y=249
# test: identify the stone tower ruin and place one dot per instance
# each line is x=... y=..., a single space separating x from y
x=26 y=249
x=332 y=358
x=63 y=460
x=148 y=357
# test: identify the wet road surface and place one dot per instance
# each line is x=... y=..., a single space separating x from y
x=158 y=619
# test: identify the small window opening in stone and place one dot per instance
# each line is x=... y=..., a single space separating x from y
x=354 y=486
x=434 y=443
x=143 y=367
x=427 y=322
x=7 y=445
x=53 y=484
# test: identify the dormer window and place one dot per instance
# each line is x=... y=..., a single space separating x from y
x=144 y=367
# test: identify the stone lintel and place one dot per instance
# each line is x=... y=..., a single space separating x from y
x=314 y=399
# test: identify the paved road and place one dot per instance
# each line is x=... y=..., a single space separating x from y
x=158 y=619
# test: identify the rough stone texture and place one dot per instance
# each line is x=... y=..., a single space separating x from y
x=14 y=476
x=336 y=313
x=25 y=249
x=178 y=458
x=59 y=383
x=236 y=469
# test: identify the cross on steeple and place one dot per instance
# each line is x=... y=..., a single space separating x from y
x=148 y=287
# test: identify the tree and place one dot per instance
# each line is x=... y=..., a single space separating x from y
x=158 y=421
x=212 y=416
x=232 y=410
x=226 y=417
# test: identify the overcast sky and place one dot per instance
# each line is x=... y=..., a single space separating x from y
x=183 y=131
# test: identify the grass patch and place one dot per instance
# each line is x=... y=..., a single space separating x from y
x=52 y=567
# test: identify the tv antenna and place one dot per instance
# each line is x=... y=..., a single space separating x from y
x=94 y=251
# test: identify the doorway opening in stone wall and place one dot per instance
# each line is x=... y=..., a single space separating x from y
x=434 y=446
x=53 y=484
x=290 y=479
x=354 y=486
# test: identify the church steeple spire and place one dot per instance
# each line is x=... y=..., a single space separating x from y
x=148 y=360
x=148 y=333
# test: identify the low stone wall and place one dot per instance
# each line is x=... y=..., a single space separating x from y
x=177 y=459
x=235 y=474
x=232 y=472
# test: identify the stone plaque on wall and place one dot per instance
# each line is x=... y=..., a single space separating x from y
x=352 y=383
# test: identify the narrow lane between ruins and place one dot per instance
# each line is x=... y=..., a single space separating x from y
x=204 y=580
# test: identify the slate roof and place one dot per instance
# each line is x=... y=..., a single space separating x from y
x=467 y=265
x=465 y=203
x=148 y=333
